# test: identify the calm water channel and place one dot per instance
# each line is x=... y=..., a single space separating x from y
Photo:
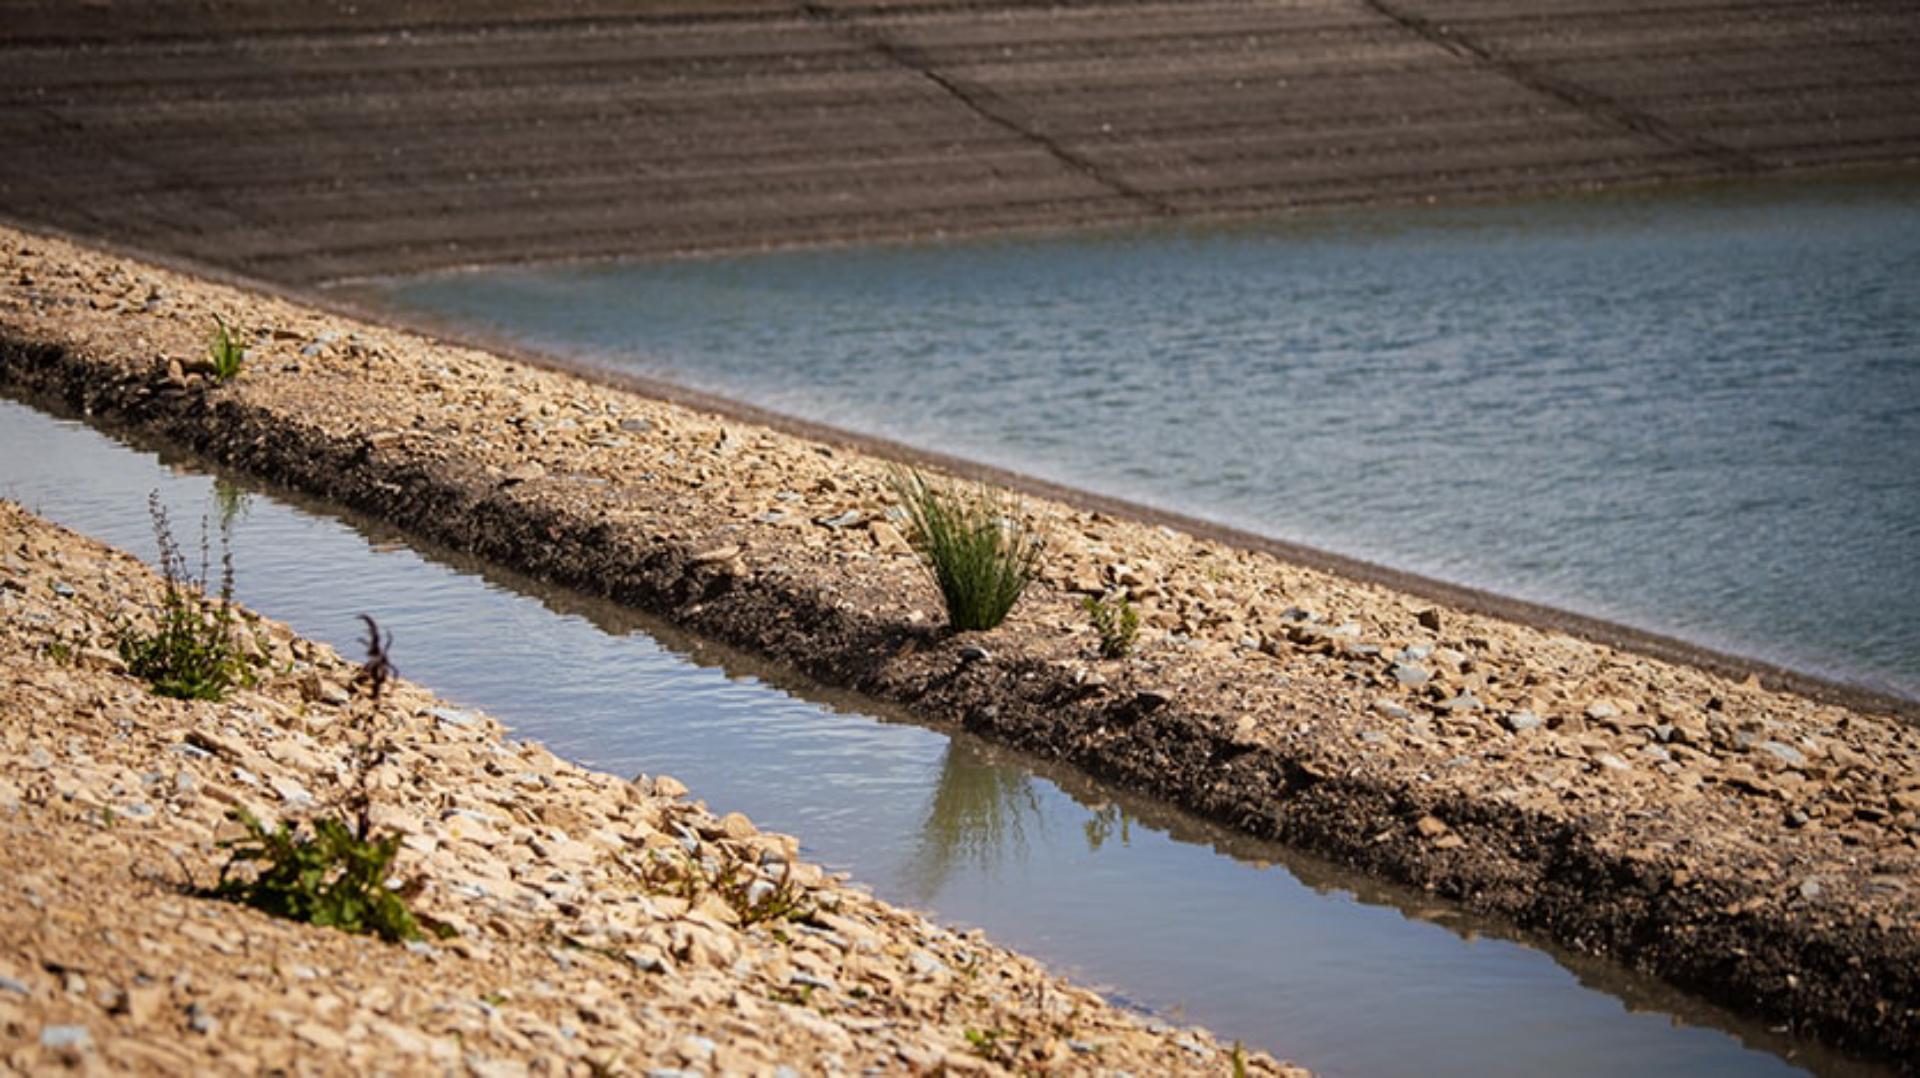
x=1695 y=413
x=1161 y=911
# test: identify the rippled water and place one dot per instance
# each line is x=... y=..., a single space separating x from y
x=1697 y=414
x=1162 y=911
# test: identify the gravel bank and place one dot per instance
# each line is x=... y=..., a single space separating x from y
x=112 y=800
x=306 y=140
x=1754 y=846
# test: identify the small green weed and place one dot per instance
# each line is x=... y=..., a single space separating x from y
x=331 y=877
x=331 y=871
x=193 y=655
x=751 y=897
x=1117 y=623
x=979 y=554
x=783 y=902
x=1239 y=1060
x=225 y=352
x=987 y=1043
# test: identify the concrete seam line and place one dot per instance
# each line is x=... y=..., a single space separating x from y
x=976 y=100
x=1592 y=103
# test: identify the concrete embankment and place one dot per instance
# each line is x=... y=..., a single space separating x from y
x=580 y=947
x=1758 y=847
x=306 y=140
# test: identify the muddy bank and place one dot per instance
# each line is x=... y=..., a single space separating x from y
x=306 y=140
x=566 y=956
x=1756 y=847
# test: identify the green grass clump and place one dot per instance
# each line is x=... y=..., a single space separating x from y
x=1117 y=623
x=980 y=555
x=225 y=352
x=333 y=876
x=194 y=654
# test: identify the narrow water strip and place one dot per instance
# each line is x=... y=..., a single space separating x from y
x=1161 y=911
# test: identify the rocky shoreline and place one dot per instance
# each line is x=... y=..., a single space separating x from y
x=565 y=958
x=1753 y=846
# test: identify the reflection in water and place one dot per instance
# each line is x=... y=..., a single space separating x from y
x=1100 y=825
x=977 y=817
x=231 y=502
x=980 y=811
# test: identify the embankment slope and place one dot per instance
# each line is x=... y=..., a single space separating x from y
x=304 y=140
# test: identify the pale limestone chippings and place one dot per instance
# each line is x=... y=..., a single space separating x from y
x=112 y=799
x=1715 y=787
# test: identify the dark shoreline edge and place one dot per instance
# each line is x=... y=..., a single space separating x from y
x=1823 y=978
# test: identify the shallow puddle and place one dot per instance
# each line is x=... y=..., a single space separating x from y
x=1161 y=911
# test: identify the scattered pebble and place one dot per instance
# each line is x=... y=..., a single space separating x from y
x=66 y=1037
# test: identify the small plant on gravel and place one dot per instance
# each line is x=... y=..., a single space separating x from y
x=753 y=898
x=378 y=668
x=194 y=654
x=225 y=352
x=779 y=901
x=980 y=556
x=333 y=870
x=330 y=876
x=1117 y=623
x=988 y=1044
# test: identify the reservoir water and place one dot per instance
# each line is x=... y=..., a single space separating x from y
x=1694 y=413
x=1159 y=910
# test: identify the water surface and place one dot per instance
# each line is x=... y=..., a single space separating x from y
x=1695 y=413
x=1161 y=911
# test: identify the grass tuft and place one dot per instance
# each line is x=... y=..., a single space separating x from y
x=980 y=556
x=225 y=352
x=1117 y=623
x=193 y=655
